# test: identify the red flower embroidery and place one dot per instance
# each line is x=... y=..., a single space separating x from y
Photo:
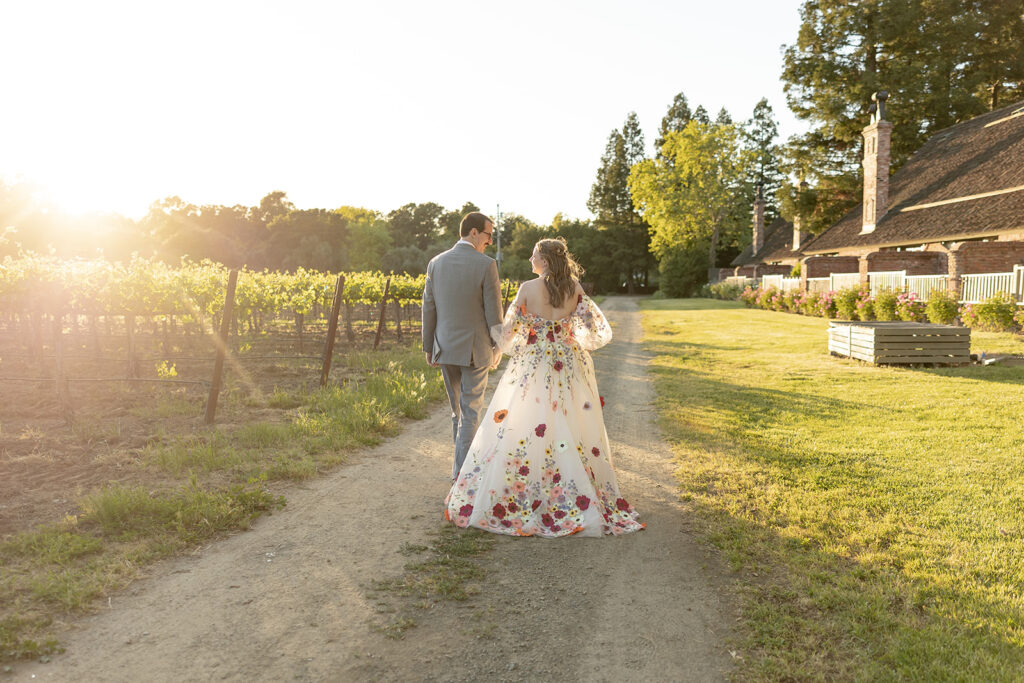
x=621 y=504
x=512 y=507
x=506 y=523
x=546 y=519
x=559 y=514
x=602 y=401
x=596 y=451
x=557 y=478
x=539 y=429
x=558 y=328
x=531 y=338
x=500 y=415
x=535 y=505
x=550 y=336
x=558 y=366
x=466 y=510
x=524 y=470
x=555 y=527
x=582 y=502
x=499 y=511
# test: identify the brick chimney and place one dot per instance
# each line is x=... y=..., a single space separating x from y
x=758 y=240
x=877 y=138
x=797 y=221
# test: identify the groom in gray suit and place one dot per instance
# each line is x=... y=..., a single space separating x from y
x=461 y=301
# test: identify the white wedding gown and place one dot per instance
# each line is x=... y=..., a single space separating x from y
x=539 y=464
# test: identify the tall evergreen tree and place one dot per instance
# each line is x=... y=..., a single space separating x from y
x=700 y=114
x=675 y=119
x=612 y=204
x=724 y=117
x=760 y=134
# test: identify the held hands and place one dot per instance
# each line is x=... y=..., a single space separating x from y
x=497 y=359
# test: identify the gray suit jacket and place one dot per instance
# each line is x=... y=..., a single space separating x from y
x=461 y=301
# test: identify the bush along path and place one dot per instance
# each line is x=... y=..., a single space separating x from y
x=359 y=579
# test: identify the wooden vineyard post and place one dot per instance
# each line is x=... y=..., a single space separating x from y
x=398 y=318
x=59 y=378
x=133 y=365
x=298 y=329
x=332 y=330
x=222 y=344
x=383 y=311
x=349 y=332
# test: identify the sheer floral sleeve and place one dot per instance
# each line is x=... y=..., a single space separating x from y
x=590 y=328
x=510 y=336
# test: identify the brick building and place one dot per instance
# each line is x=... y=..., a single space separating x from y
x=955 y=208
x=774 y=249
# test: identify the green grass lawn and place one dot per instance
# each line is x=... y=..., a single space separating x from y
x=874 y=515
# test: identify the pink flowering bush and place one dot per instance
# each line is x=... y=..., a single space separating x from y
x=825 y=306
x=996 y=314
x=789 y=301
x=910 y=308
x=749 y=296
x=766 y=298
x=865 y=305
x=846 y=303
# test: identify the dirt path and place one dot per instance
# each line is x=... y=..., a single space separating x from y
x=287 y=600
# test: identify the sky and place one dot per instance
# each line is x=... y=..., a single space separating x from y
x=110 y=106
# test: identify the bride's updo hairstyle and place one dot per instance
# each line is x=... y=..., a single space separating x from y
x=562 y=269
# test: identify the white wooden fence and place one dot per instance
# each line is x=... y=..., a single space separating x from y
x=924 y=285
x=740 y=280
x=892 y=280
x=975 y=288
x=818 y=284
x=843 y=280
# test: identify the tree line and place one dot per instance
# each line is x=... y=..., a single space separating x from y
x=660 y=220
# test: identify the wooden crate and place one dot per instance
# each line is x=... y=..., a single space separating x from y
x=900 y=343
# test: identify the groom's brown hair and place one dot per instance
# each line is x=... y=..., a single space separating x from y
x=473 y=221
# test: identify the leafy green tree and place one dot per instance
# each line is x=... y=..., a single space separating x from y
x=368 y=237
x=691 y=198
x=418 y=225
x=310 y=238
x=700 y=114
x=724 y=118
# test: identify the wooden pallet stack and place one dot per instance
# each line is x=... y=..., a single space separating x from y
x=900 y=343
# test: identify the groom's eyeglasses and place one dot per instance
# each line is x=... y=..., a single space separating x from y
x=490 y=235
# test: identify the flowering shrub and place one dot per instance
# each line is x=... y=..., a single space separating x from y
x=910 y=308
x=1018 y=317
x=789 y=301
x=846 y=303
x=997 y=314
x=826 y=304
x=942 y=308
x=865 y=305
x=768 y=298
x=885 y=305
x=749 y=296
x=725 y=290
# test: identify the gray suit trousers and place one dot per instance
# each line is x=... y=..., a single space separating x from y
x=466 y=386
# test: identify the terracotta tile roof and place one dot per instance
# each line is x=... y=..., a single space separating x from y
x=979 y=156
x=778 y=245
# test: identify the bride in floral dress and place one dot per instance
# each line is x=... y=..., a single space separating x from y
x=539 y=464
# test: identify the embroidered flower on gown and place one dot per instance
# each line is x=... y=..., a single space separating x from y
x=540 y=462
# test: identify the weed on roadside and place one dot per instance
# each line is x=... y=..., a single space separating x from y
x=450 y=572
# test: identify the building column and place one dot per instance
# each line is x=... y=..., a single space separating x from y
x=865 y=266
